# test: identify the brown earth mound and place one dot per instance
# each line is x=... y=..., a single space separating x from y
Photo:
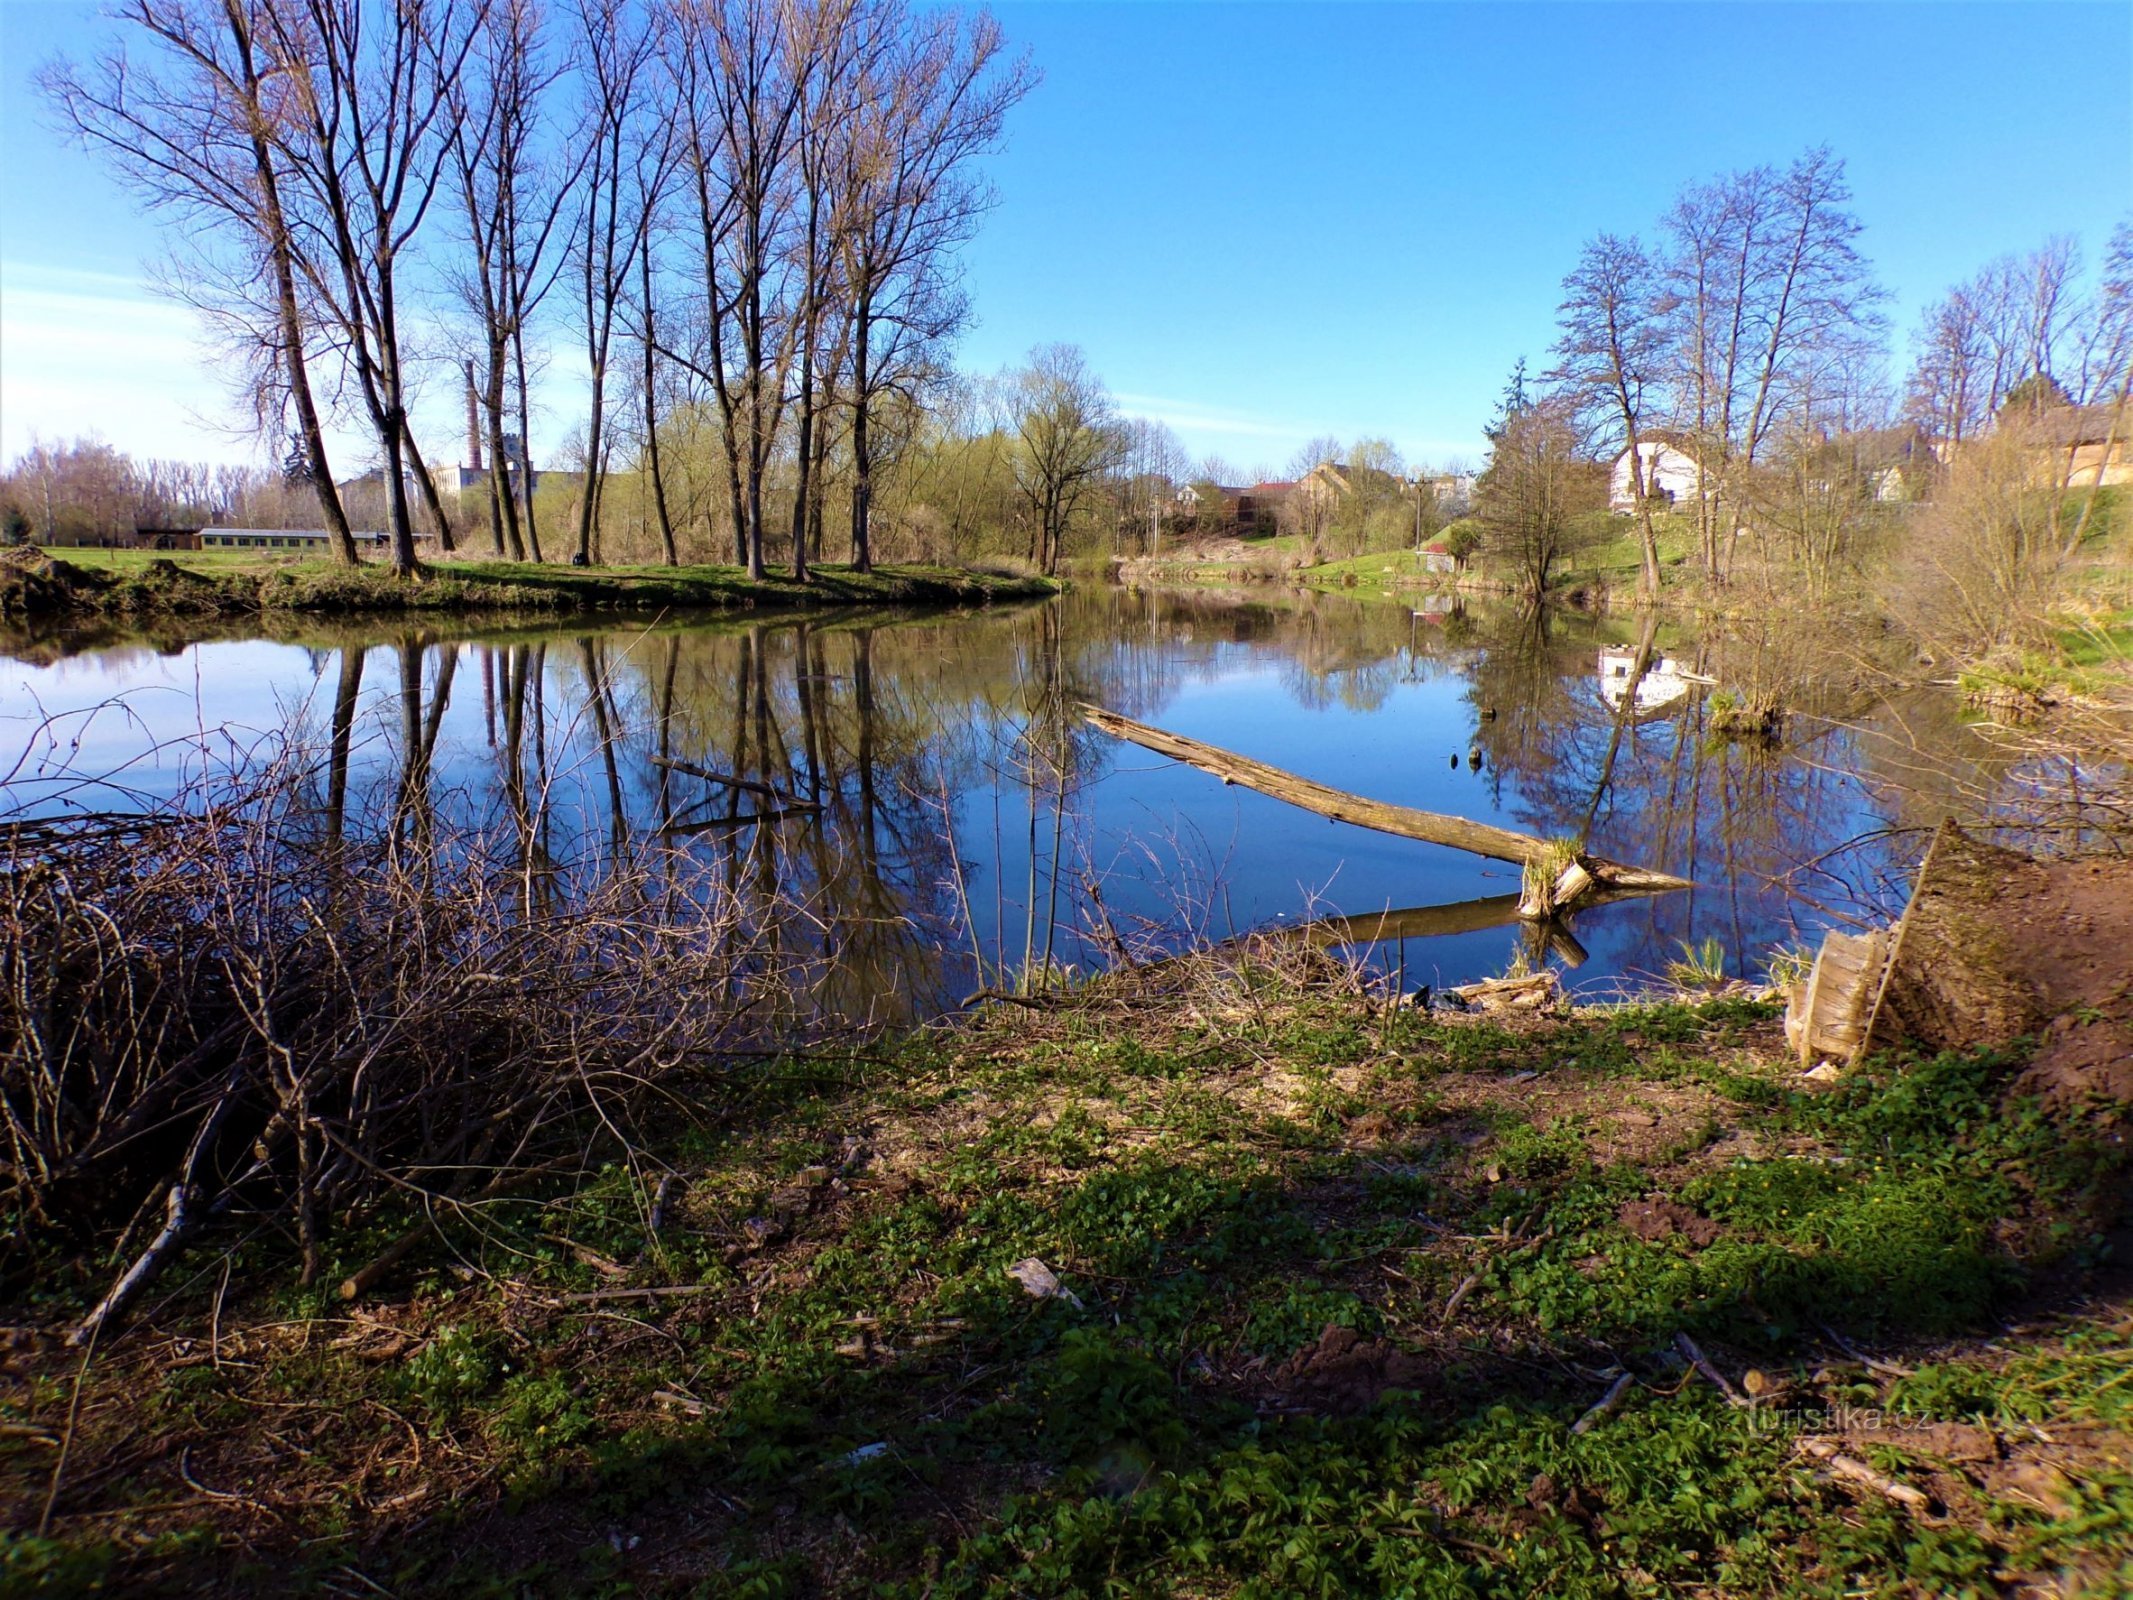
x=1345 y=1373
x=1663 y=1219
x=1998 y=945
x=2069 y=927
x=32 y=584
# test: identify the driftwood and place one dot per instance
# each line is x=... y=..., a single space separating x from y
x=1425 y=922
x=1609 y=1403
x=1531 y=992
x=1573 y=874
x=1703 y=1364
x=658 y=1217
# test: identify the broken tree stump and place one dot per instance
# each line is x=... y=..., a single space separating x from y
x=1571 y=875
x=1943 y=974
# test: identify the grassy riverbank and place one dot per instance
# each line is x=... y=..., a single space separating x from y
x=1336 y=1284
x=96 y=583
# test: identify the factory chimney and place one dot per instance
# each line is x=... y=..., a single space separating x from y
x=473 y=424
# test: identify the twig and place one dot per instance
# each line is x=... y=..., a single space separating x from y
x=66 y=1438
x=185 y=1471
x=145 y=1266
x=1467 y=1286
x=214 y=1325
x=593 y=1296
x=1609 y=1404
x=1032 y=1002
x=1702 y=1363
x=658 y=1216
x=1889 y=1367
x=749 y=785
x=586 y=1256
x=1858 y=1471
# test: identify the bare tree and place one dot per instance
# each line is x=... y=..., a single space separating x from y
x=2105 y=371
x=361 y=107
x=512 y=196
x=1536 y=488
x=1766 y=287
x=825 y=131
x=1609 y=347
x=194 y=134
x=1068 y=437
x=742 y=68
x=624 y=145
x=925 y=109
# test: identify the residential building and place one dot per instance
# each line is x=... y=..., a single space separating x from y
x=1670 y=475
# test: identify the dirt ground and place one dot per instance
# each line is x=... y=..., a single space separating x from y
x=2069 y=935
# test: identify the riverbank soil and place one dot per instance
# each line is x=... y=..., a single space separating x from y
x=37 y=586
x=1213 y=1279
x=1996 y=946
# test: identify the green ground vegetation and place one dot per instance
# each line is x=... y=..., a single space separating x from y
x=113 y=583
x=1336 y=1283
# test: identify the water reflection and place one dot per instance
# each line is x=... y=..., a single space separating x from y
x=918 y=808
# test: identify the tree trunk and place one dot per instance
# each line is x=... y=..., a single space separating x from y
x=651 y=416
x=428 y=486
x=862 y=447
x=1576 y=876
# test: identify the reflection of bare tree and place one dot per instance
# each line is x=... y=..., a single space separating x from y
x=347 y=688
x=1738 y=817
x=413 y=808
x=521 y=696
x=852 y=783
x=592 y=655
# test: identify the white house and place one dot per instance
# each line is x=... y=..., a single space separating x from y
x=1669 y=475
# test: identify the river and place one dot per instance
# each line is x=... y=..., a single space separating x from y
x=935 y=816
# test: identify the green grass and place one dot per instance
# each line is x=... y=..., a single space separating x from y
x=2105 y=640
x=131 y=563
x=880 y=1409
x=225 y=583
x=1377 y=569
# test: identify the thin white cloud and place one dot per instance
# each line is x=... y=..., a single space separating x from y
x=98 y=353
x=86 y=352
x=1192 y=414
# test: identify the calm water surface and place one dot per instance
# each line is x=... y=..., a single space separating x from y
x=962 y=820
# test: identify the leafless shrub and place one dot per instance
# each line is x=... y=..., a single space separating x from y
x=222 y=1006
x=1981 y=563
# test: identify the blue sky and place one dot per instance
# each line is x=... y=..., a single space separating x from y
x=1270 y=221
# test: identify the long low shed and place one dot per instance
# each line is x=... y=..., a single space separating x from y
x=277 y=538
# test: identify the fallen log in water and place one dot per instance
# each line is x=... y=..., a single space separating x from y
x=1562 y=874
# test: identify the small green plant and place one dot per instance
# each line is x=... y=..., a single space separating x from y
x=1789 y=965
x=451 y=1369
x=1745 y=716
x=1699 y=966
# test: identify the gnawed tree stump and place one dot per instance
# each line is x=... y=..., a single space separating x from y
x=1943 y=974
x=1567 y=875
x=1831 y=1012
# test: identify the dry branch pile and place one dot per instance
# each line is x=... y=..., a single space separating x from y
x=239 y=1013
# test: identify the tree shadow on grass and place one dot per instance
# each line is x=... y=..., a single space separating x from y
x=1329 y=1369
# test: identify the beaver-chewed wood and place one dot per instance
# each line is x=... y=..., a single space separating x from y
x=1574 y=875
